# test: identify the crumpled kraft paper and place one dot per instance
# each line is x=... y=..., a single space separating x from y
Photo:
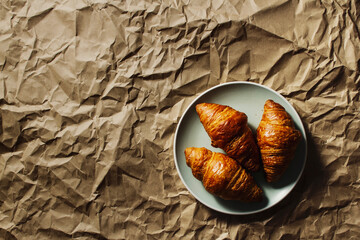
x=91 y=93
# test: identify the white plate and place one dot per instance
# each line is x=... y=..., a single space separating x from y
x=249 y=98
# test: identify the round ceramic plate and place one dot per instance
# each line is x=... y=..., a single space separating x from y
x=249 y=98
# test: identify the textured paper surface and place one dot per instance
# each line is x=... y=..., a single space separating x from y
x=91 y=93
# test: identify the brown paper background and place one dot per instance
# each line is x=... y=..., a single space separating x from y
x=91 y=93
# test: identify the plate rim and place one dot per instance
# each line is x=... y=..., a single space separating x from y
x=176 y=136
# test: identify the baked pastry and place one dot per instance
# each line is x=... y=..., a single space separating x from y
x=222 y=175
x=277 y=139
x=228 y=130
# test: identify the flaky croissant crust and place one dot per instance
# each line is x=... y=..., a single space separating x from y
x=222 y=175
x=277 y=139
x=228 y=130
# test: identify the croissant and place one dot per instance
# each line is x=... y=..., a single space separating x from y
x=228 y=130
x=277 y=139
x=222 y=175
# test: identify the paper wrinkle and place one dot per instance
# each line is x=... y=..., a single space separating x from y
x=91 y=94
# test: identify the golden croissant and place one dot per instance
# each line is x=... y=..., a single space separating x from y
x=222 y=175
x=228 y=130
x=277 y=139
